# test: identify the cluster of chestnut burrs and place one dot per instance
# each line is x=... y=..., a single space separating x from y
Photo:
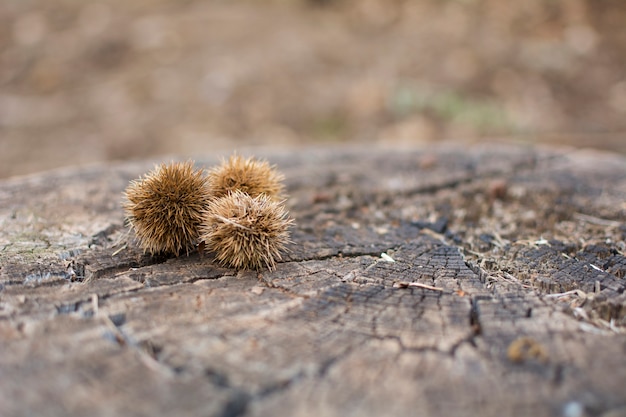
x=235 y=210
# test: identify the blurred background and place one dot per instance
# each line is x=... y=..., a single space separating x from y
x=85 y=81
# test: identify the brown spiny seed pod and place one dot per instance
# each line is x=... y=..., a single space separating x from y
x=246 y=232
x=165 y=207
x=249 y=175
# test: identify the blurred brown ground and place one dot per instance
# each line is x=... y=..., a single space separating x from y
x=84 y=81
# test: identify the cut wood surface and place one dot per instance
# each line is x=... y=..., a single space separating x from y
x=486 y=281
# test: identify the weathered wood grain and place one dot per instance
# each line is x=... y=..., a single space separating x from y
x=524 y=249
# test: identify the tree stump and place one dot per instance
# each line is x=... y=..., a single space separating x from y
x=445 y=282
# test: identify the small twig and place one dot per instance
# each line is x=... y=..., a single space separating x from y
x=372 y=265
x=386 y=257
x=579 y=293
x=120 y=249
x=94 y=304
x=512 y=279
x=597 y=221
x=418 y=285
x=499 y=242
x=434 y=234
x=471 y=252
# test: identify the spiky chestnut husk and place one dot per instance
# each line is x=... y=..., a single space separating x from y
x=249 y=175
x=246 y=232
x=165 y=207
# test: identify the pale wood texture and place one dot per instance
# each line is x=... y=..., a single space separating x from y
x=506 y=297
